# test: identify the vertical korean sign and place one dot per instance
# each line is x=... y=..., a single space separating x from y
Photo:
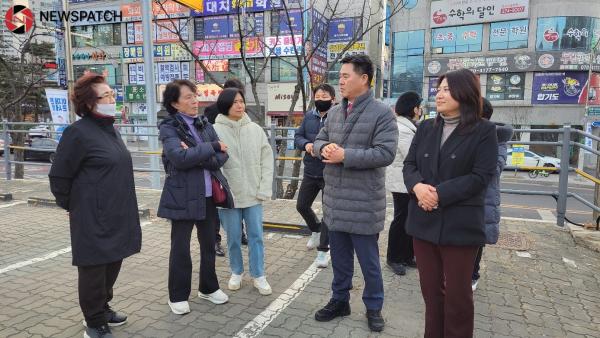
x=59 y=105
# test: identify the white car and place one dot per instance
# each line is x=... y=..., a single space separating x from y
x=534 y=160
x=2 y=144
x=39 y=131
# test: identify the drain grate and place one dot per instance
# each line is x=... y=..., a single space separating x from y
x=513 y=241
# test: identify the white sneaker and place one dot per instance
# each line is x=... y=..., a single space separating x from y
x=263 y=286
x=474 y=284
x=217 y=297
x=235 y=282
x=180 y=308
x=313 y=241
x=322 y=259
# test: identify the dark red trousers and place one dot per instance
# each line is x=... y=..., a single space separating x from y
x=445 y=276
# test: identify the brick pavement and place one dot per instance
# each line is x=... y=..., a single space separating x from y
x=540 y=296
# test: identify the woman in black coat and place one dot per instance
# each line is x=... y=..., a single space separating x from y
x=450 y=162
x=192 y=157
x=92 y=178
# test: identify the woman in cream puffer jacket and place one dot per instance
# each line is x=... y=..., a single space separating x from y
x=249 y=172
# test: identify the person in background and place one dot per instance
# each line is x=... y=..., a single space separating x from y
x=211 y=113
x=312 y=180
x=358 y=141
x=400 y=252
x=192 y=157
x=92 y=178
x=451 y=160
x=492 y=195
x=249 y=171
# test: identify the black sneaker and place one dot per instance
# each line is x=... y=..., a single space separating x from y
x=398 y=268
x=375 y=320
x=98 y=332
x=219 y=250
x=411 y=263
x=334 y=308
x=244 y=239
x=113 y=318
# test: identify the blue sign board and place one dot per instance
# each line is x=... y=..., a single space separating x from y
x=342 y=30
x=216 y=27
x=217 y=7
x=558 y=88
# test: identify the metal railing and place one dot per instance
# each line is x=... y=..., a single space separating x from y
x=561 y=195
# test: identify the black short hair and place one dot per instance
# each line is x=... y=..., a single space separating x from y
x=226 y=98
x=405 y=106
x=326 y=88
x=234 y=83
x=172 y=92
x=362 y=65
x=487 y=110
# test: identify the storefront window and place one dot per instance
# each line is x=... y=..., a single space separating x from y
x=100 y=35
x=509 y=34
x=112 y=73
x=566 y=32
x=407 y=62
x=460 y=39
x=283 y=69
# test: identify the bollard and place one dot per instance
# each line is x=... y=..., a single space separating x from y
x=563 y=178
x=7 y=166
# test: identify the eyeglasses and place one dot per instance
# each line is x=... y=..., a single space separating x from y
x=106 y=95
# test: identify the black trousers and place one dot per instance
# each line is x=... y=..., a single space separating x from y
x=400 y=244
x=309 y=189
x=96 y=291
x=477 y=261
x=218 y=230
x=180 y=260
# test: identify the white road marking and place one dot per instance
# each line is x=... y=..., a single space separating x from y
x=261 y=321
x=46 y=257
x=12 y=204
x=547 y=215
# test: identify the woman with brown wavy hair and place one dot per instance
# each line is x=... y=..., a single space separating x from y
x=450 y=162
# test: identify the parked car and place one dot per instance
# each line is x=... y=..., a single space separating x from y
x=534 y=160
x=39 y=131
x=42 y=143
x=10 y=142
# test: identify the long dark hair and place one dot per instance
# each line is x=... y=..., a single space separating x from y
x=464 y=88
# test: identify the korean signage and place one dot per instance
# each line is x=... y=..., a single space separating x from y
x=167 y=52
x=283 y=45
x=509 y=34
x=211 y=66
x=59 y=105
x=208 y=92
x=135 y=93
x=226 y=48
x=514 y=63
x=518 y=155
x=288 y=21
x=457 y=36
x=168 y=10
x=216 y=7
x=164 y=31
x=432 y=89
x=334 y=49
x=279 y=97
x=460 y=12
x=506 y=86
x=342 y=30
x=164 y=72
x=216 y=27
x=566 y=32
x=558 y=88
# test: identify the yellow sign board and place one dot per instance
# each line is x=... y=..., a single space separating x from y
x=518 y=155
x=193 y=4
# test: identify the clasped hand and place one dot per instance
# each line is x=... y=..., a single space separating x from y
x=427 y=196
x=332 y=153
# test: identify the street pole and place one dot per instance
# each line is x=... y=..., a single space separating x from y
x=587 y=120
x=69 y=60
x=150 y=88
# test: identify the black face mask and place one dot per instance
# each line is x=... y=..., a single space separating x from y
x=323 y=105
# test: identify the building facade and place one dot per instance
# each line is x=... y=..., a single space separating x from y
x=532 y=56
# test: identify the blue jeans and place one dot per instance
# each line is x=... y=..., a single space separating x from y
x=231 y=220
x=343 y=245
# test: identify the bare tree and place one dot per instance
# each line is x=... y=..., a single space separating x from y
x=21 y=78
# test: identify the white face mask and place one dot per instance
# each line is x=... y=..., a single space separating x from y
x=108 y=109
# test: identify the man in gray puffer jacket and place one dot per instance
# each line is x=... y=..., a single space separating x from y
x=504 y=133
x=357 y=142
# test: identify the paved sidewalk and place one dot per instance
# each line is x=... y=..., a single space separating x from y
x=548 y=288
